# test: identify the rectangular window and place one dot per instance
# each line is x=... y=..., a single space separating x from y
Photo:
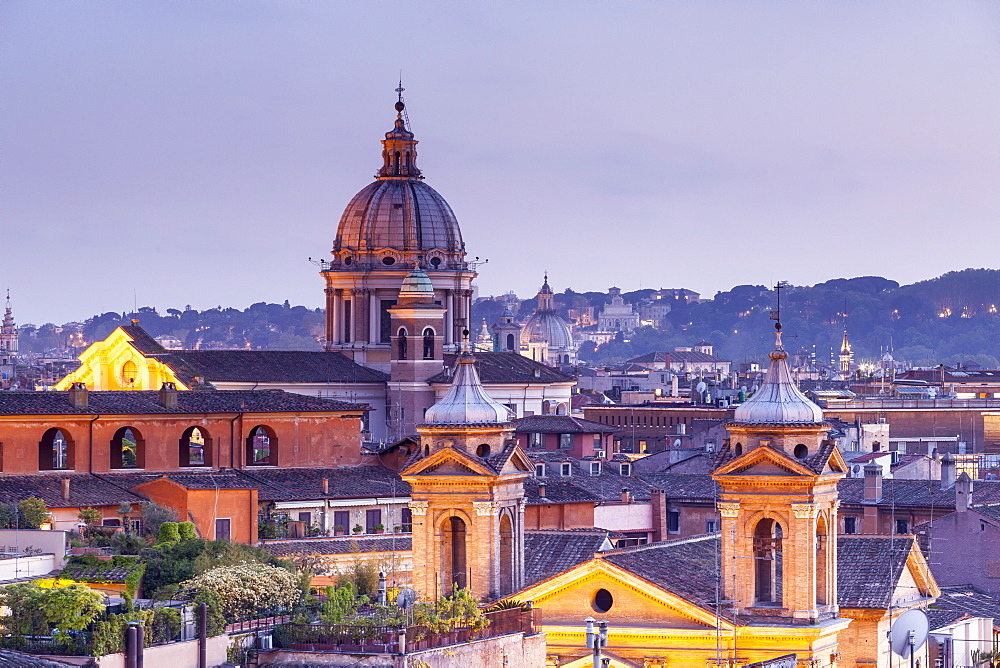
x=850 y=524
x=385 y=320
x=342 y=520
x=536 y=440
x=595 y=468
x=642 y=447
x=902 y=526
x=565 y=441
x=674 y=521
x=539 y=470
x=625 y=469
x=616 y=447
x=222 y=529
x=512 y=410
x=598 y=442
x=407 y=519
x=711 y=526
x=307 y=518
x=373 y=518
x=566 y=469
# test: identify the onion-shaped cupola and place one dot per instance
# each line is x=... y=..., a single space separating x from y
x=466 y=401
x=778 y=401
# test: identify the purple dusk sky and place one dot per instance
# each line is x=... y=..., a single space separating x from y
x=198 y=152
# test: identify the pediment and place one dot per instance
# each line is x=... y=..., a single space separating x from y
x=517 y=462
x=637 y=601
x=764 y=460
x=614 y=661
x=447 y=461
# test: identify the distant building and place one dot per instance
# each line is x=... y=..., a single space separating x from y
x=618 y=316
x=8 y=347
x=698 y=360
x=545 y=336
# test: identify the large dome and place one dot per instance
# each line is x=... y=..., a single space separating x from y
x=401 y=214
x=549 y=327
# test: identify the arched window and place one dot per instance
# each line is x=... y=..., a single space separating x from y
x=262 y=447
x=127 y=451
x=401 y=336
x=428 y=344
x=507 y=584
x=767 y=560
x=454 y=553
x=195 y=447
x=823 y=593
x=510 y=342
x=55 y=451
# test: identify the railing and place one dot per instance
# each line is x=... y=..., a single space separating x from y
x=76 y=646
x=879 y=402
x=257 y=624
x=347 y=638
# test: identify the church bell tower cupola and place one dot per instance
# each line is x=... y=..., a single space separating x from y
x=778 y=502
x=399 y=148
x=467 y=493
x=8 y=346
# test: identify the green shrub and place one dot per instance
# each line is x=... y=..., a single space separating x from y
x=186 y=531
x=169 y=533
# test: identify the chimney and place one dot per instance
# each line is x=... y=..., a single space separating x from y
x=947 y=471
x=626 y=497
x=963 y=492
x=873 y=483
x=326 y=486
x=65 y=489
x=541 y=490
x=658 y=507
x=78 y=395
x=168 y=396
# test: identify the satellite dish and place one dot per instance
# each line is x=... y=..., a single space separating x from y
x=908 y=633
x=405 y=598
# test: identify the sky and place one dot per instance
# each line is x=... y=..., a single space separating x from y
x=199 y=152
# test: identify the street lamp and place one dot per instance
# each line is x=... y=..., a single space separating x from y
x=596 y=639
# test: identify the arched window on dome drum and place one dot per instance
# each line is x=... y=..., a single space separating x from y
x=767 y=563
x=55 y=451
x=428 y=344
x=127 y=450
x=401 y=336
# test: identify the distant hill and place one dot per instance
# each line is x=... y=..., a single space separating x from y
x=947 y=319
x=942 y=320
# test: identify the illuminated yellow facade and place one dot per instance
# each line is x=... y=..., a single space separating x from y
x=116 y=363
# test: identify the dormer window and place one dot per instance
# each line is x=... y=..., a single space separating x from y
x=595 y=468
x=566 y=469
x=625 y=469
x=539 y=470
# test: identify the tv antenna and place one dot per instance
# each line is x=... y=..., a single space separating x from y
x=908 y=633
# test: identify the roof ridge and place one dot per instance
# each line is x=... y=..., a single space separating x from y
x=663 y=543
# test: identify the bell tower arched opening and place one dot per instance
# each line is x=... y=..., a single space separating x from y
x=455 y=569
x=767 y=563
x=506 y=555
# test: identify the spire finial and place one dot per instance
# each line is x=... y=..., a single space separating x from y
x=399 y=95
x=776 y=315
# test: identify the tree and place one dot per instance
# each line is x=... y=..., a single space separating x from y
x=168 y=533
x=248 y=589
x=153 y=515
x=89 y=516
x=33 y=513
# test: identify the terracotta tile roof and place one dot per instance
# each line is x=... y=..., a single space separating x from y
x=547 y=553
x=676 y=356
x=690 y=486
x=345 y=482
x=561 y=424
x=270 y=366
x=84 y=490
x=10 y=658
x=686 y=567
x=968 y=600
x=505 y=367
x=557 y=490
x=142 y=341
x=132 y=402
x=341 y=545
x=868 y=568
x=84 y=573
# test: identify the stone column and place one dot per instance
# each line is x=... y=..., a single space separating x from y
x=330 y=310
x=336 y=318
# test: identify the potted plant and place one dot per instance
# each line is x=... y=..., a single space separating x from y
x=358 y=528
x=397 y=529
x=379 y=528
x=338 y=530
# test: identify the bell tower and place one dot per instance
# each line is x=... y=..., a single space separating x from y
x=8 y=346
x=778 y=501
x=467 y=493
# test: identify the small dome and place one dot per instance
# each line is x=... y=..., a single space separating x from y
x=778 y=401
x=466 y=401
x=416 y=284
x=549 y=327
